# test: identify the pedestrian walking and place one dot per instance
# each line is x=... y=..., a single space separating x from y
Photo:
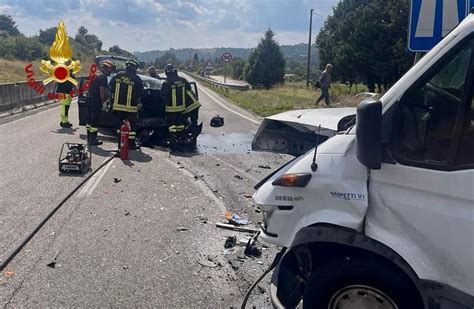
x=325 y=82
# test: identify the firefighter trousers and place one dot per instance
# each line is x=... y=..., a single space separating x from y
x=93 y=116
x=64 y=104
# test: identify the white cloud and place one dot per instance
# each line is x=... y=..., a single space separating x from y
x=139 y=25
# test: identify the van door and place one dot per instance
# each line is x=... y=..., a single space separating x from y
x=422 y=200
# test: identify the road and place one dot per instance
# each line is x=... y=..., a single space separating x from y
x=146 y=239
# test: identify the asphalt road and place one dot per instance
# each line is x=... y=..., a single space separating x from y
x=147 y=240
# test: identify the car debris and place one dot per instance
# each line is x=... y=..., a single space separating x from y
x=217 y=121
x=235 y=228
x=207 y=263
x=238 y=177
x=181 y=229
x=203 y=218
x=235 y=219
x=244 y=241
x=268 y=167
x=117 y=180
x=253 y=251
x=230 y=242
x=8 y=274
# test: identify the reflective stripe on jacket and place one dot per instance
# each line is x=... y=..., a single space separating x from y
x=127 y=90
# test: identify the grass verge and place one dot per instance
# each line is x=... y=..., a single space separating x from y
x=12 y=71
x=290 y=96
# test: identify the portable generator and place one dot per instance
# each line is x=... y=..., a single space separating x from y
x=75 y=158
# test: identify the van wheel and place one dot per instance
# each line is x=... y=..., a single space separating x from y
x=355 y=282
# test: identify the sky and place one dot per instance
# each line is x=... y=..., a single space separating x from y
x=142 y=25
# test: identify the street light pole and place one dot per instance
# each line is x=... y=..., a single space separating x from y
x=309 y=47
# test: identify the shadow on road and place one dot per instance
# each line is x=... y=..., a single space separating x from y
x=68 y=131
x=98 y=151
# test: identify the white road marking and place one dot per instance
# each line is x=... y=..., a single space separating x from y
x=90 y=185
x=217 y=101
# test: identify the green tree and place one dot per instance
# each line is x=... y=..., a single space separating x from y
x=89 y=40
x=266 y=63
x=48 y=35
x=168 y=57
x=366 y=39
x=116 y=50
x=238 y=66
x=9 y=25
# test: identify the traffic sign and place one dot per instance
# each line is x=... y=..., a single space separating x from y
x=431 y=20
x=226 y=57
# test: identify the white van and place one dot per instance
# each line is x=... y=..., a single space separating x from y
x=382 y=216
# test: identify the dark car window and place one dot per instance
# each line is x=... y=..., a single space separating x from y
x=426 y=115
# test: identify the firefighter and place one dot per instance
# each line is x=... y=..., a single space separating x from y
x=97 y=96
x=64 y=89
x=181 y=103
x=127 y=88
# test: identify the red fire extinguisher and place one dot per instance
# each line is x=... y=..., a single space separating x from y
x=124 y=130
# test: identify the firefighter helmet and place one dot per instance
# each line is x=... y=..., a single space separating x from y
x=169 y=68
x=131 y=62
x=108 y=64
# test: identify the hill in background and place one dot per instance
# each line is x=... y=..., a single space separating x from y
x=298 y=51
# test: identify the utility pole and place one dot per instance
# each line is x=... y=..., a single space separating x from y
x=309 y=46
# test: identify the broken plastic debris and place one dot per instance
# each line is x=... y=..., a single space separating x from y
x=8 y=274
x=230 y=242
x=253 y=251
x=181 y=228
x=117 y=180
x=265 y=166
x=235 y=219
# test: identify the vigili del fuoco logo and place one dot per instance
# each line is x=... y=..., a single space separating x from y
x=60 y=67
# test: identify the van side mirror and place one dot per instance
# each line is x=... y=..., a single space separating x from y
x=369 y=133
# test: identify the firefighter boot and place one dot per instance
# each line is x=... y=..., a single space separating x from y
x=93 y=139
x=132 y=145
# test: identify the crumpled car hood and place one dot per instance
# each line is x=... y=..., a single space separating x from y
x=295 y=132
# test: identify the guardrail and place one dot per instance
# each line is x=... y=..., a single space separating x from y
x=19 y=94
x=216 y=84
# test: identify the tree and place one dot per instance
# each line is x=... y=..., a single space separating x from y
x=366 y=39
x=89 y=40
x=238 y=66
x=48 y=35
x=266 y=63
x=9 y=25
x=168 y=57
x=116 y=50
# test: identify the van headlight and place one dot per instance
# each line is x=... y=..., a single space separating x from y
x=292 y=180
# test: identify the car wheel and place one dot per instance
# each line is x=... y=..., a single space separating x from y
x=355 y=282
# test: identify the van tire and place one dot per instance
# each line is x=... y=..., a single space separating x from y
x=343 y=279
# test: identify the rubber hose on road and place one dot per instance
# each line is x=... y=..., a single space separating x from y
x=273 y=265
x=43 y=222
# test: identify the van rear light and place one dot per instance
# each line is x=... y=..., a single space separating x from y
x=292 y=180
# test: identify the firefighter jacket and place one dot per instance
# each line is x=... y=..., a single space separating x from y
x=126 y=90
x=178 y=96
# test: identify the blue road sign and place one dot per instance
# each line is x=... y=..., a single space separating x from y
x=431 y=20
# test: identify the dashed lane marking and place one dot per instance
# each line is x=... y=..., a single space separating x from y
x=217 y=101
x=90 y=186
